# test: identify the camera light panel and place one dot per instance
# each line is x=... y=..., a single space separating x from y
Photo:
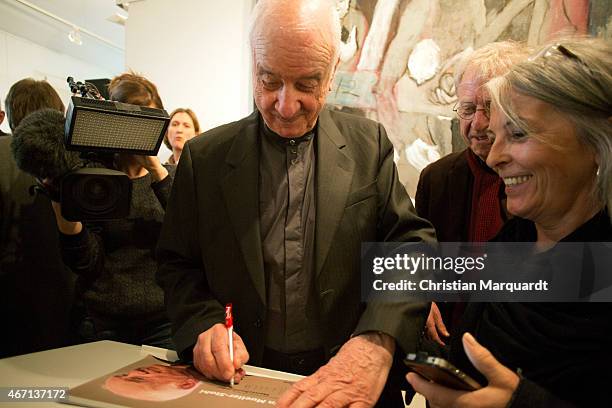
x=117 y=132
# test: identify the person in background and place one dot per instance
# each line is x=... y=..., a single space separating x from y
x=461 y=196
x=269 y=213
x=37 y=288
x=115 y=259
x=183 y=126
x=2 y=115
x=551 y=126
x=29 y=95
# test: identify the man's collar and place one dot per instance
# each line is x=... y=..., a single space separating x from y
x=477 y=161
x=285 y=140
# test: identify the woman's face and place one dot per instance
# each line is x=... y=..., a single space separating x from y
x=548 y=173
x=180 y=130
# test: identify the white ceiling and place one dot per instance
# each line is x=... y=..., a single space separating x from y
x=90 y=15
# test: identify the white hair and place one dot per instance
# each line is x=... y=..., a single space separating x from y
x=265 y=8
x=491 y=60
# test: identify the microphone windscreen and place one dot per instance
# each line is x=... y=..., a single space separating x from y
x=38 y=145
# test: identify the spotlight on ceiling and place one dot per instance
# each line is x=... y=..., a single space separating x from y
x=125 y=4
x=75 y=36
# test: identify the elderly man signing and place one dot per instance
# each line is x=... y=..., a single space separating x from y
x=269 y=213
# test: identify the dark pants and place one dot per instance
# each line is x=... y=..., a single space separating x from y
x=304 y=363
x=156 y=332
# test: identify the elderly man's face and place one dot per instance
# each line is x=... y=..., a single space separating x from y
x=292 y=76
x=474 y=131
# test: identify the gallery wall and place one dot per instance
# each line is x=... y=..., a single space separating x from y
x=196 y=53
x=21 y=58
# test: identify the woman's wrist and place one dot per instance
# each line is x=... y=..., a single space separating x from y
x=158 y=173
x=65 y=227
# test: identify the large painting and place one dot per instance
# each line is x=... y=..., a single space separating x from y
x=398 y=59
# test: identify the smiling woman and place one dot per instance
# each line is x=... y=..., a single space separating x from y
x=553 y=136
x=542 y=185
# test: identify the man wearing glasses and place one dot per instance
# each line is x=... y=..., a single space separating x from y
x=461 y=196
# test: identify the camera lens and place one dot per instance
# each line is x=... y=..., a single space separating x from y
x=96 y=190
x=97 y=194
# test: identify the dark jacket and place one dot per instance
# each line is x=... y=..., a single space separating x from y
x=210 y=247
x=36 y=286
x=444 y=196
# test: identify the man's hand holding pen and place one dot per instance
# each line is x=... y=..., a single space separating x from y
x=229 y=325
x=211 y=356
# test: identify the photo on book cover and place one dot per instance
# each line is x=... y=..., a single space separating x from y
x=149 y=383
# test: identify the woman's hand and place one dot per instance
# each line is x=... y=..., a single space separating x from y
x=502 y=382
x=153 y=165
x=66 y=227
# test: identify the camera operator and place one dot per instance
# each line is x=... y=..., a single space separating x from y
x=115 y=259
x=36 y=287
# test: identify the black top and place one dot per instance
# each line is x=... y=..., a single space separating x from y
x=115 y=259
x=562 y=349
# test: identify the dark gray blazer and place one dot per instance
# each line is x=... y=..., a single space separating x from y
x=210 y=246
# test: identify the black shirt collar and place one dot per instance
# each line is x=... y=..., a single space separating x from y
x=285 y=141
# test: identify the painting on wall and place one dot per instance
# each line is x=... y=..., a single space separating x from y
x=397 y=61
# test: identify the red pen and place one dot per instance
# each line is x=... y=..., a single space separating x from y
x=229 y=324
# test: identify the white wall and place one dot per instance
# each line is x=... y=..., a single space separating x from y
x=21 y=58
x=197 y=54
x=195 y=51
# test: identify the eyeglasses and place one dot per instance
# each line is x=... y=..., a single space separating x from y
x=467 y=111
x=558 y=47
x=563 y=50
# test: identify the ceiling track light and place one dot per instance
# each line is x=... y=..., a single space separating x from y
x=75 y=34
x=125 y=4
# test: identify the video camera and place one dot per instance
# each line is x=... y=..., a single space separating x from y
x=46 y=146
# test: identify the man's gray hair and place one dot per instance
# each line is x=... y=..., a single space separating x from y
x=575 y=77
x=491 y=60
x=263 y=8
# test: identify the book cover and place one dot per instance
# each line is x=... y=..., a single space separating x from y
x=151 y=383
